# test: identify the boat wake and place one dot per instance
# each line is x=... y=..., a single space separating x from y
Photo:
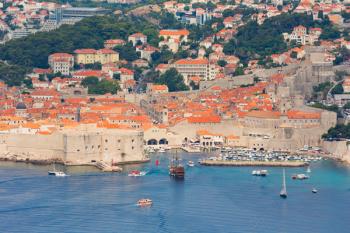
x=25 y=209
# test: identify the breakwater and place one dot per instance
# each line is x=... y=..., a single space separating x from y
x=253 y=163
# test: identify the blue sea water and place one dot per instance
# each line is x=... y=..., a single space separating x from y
x=210 y=199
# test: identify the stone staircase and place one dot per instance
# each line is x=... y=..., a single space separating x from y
x=107 y=168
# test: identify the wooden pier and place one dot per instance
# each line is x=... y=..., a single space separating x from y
x=253 y=163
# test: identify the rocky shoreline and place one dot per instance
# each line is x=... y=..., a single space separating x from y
x=45 y=162
x=34 y=162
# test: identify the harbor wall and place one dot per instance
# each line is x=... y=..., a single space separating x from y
x=33 y=147
x=337 y=150
x=187 y=130
x=75 y=147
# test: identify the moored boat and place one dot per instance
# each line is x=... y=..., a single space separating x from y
x=283 y=192
x=314 y=190
x=190 y=164
x=300 y=177
x=56 y=173
x=260 y=173
x=137 y=173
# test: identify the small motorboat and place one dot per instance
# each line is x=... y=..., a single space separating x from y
x=300 y=177
x=259 y=173
x=314 y=190
x=144 y=202
x=161 y=150
x=190 y=164
x=137 y=173
x=57 y=173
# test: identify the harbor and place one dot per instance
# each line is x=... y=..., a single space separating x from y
x=233 y=195
x=89 y=199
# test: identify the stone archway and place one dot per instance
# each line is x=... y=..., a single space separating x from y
x=152 y=142
x=77 y=92
x=163 y=141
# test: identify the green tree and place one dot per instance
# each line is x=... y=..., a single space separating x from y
x=330 y=32
x=347 y=105
x=90 y=81
x=338 y=89
x=94 y=66
x=194 y=86
x=13 y=75
x=238 y=71
x=254 y=41
x=320 y=15
x=116 y=76
x=100 y=87
x=222 y=63
x=173 y=80
x=127 y=52
x=162 y=57
x=340 y=131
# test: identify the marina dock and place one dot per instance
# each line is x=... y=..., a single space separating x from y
x=189 y=149
x=237 y=163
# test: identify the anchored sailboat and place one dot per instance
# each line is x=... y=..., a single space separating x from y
x=283 y=192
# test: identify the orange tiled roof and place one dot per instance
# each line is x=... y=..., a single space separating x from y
x=294 y=114
x=198 y=61
x=168 y=32
x=264 y=114
x=204 y=119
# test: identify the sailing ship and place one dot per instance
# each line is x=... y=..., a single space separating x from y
x=283 y=192
x=176 y=169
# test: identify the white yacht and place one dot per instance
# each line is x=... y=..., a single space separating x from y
x=190 y=164
x=259 y=173
x=56 y=173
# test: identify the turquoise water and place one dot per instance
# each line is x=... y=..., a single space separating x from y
x=210 y=199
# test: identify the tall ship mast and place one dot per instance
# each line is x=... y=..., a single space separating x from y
x=176 y=169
